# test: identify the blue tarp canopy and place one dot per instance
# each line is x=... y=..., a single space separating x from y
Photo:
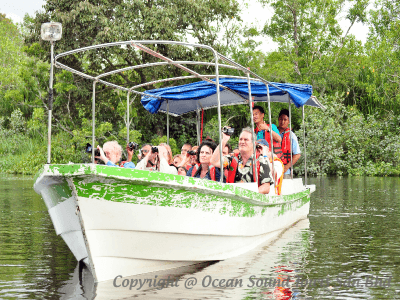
x=203 y=95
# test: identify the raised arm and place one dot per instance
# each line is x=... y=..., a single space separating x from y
x=275 y=136
x=143 y=163
x=215 y=161
x=130 y=153
x=102 y=155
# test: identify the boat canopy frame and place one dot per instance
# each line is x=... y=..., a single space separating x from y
x=213 y=79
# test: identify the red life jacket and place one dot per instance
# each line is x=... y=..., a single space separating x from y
x=282 y=150
x=230 y=178
x=286 y=145
x=277 y=145
x=122 y=163
x=211 y=168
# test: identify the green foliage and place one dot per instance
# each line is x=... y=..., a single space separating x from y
x=11 y=43
x=87 y=23
x=356 y=135
x=20 y=153
x=17 y=122
x=36 y=125
x=340 y=140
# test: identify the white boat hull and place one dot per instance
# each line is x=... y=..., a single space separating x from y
x=129 y=236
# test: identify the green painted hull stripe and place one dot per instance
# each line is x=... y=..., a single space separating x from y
x=159 y=189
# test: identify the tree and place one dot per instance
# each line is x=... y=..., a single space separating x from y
x=11 y=57
x=380 y=79
x=88 y=23
x=312 y=41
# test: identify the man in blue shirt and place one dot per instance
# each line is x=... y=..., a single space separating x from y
x=285 y=130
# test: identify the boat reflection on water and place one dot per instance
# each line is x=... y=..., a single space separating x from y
x=82 y=285
x=255 y=274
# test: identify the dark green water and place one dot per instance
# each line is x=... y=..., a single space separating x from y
x=352 y=234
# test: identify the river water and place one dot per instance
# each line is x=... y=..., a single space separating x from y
x=348 y=248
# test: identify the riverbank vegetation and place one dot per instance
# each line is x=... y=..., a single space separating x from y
x=358 y=83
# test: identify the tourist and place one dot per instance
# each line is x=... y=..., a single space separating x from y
x=240 y=168
x=156 y=159
x=185 y=148
x=287 y=135
x=111 y=154
x=262 y=129
x=203 y=168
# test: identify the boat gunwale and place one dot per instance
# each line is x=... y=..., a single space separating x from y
x=154 y=179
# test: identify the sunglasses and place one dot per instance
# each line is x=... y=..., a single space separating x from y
x=145 y=151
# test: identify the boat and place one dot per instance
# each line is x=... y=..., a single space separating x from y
x=124 y=222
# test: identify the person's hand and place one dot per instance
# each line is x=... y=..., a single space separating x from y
x=102 y=155
x=130 y=152
x=263 y=126
x=226 y=137
x=162 y=152
x=185 y=160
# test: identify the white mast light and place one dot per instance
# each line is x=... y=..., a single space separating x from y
x=51 y=31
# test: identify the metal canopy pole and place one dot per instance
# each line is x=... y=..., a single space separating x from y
x=305 y=151
x=270 y=133
x=198 y=126
x=127 y=118
x=50 y=107
x=167 y=122
x=93 y=118
x=290 y=140
x=221 y=179
x=252 y=127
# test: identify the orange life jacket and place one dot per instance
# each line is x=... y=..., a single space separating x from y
x=230 y=178
x=282 y=150
x=211 y=168
x=278 y=180
x=267 y=137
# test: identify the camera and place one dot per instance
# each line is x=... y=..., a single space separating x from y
x=154 y=150
x=228 y=131
x=191 y=152
x=133 y=146
x=88 y=149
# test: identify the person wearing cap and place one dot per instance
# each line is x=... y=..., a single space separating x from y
x=262 y=129
x=287 y=148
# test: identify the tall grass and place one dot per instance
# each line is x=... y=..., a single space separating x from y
x=21 y=154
